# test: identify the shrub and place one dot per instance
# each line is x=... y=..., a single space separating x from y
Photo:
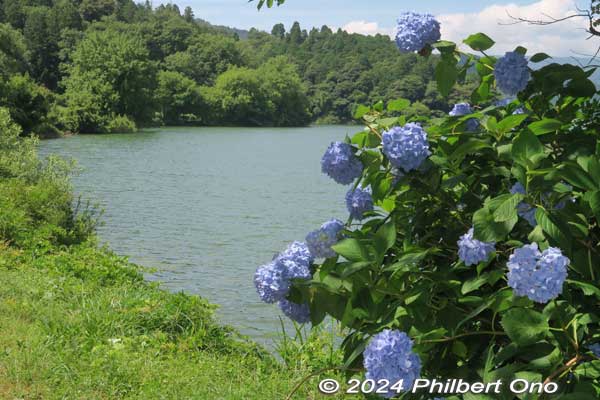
x=121 y=124
x=35 y=195
x=458 y=271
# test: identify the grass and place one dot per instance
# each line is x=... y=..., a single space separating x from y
x=82 y=324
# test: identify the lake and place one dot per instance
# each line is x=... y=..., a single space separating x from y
x=206 y=206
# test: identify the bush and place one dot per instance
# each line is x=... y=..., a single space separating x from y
x=481 y=262
x=121 y=124
x=35 y=196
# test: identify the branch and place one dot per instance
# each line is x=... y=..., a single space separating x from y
x=520 y=20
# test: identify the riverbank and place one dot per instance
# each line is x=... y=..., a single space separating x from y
x=79 y=322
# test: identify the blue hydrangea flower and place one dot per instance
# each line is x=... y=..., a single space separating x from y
x=271 y=282
x=341 y=164
x=296 y=312
x=299 y=253
x=461 y=109
x=512 y=73
x=389 y=356
x=524 y=210
x=539 y=276
x=415 y=31
x=519 y=111
x=358 y=202
x=406 y=147
x=504 y=102
x=472 y=251
x=319 y=242
x=595 y=348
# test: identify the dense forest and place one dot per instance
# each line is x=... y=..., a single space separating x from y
x=115 y=65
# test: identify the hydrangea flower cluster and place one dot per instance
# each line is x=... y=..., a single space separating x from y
x=512 y=73
x=389 y=356
x=358 y=202
x=461 y=109
x=472 y=251
x=524 y=210
x=538 y=275
x=406 y=147
x=595 y=348
x=319 y=242
x=273 y=280
x=296 y=312
x=271 y=283
x=341 y=164
x=415 y=31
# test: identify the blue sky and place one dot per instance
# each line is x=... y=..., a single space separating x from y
x=242 y=14
x=458 y=18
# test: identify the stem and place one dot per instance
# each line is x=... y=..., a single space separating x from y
x=316 y=373
x=568 y=366
x=374 y=131
x=449 y=339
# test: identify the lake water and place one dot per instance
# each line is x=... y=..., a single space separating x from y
x=206 y=206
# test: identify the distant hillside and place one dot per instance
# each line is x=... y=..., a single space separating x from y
x=227 y=30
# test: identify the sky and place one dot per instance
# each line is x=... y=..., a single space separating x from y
x=458 y=19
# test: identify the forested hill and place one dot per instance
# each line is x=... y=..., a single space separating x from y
x=112 y=65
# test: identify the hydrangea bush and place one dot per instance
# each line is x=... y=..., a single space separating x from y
x=477 y=253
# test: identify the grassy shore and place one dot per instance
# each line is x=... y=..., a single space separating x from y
x=79 y=322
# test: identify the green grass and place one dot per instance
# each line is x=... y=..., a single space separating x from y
x=80 y=323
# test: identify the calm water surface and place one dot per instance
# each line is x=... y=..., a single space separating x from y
x=206 y=206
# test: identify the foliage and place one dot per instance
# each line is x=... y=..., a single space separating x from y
x=407 y=269
x=35 y=196
x=272 y=94
x=110 y=75
x=76 y=50
x=31 y=106
x=179 y=99
x=207 y=56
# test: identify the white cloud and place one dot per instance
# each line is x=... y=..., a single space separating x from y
x=560 y=39
x=366 y=28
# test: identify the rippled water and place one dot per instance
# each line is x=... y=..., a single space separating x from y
x=206 y=206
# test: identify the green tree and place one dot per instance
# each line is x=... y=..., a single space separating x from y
x=288 y=102
x=110 y=75
x=14 y=13
x=94 y=10
x=188 y=14
x=41 y=37
x=207 y=56
x=179 y=99
x=30 y=105
x=12 y=52
x=278 y=31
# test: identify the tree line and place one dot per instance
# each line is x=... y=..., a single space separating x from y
x=115 y=65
